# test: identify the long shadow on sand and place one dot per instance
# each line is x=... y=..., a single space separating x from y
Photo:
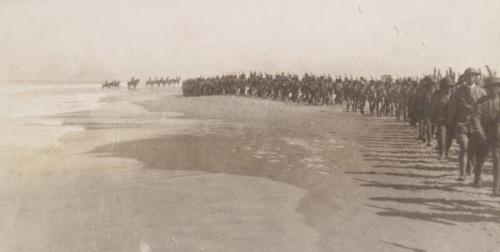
x=400 y=162
x=396 y=174
x=443 y=211
x=449 y=187
x=401 y=246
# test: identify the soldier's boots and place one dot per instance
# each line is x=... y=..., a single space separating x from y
x=477 y=181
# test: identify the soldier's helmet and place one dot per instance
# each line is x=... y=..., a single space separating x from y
x=446 y=82
x=429 y=80
x=472 y=71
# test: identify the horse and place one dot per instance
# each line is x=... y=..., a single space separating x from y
x=105 y=85
x=116 y=84
x=132 y=83
x=112 y=84
x=161 y=81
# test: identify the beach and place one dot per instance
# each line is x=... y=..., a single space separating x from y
x=150 y=170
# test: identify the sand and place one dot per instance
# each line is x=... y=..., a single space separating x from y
x=154 y=171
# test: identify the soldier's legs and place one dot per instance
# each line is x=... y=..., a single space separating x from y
x=480 y=153
x=428 y=131
x=421 y=130
x=463 y=143
x=471 y=155
x=449 y=140
x=441 y=140
x=495 y=154
x=405 y=113
x=433 y=131
x=398 y=112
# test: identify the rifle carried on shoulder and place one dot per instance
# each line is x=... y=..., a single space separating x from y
x=489 y=71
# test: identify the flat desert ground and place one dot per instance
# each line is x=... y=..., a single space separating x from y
x=156 y=171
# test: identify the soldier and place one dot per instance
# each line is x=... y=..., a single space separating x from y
x=459 y=117
x=360 y=96
x=425 y=101
x=412 y=104
x=371 y=96
x=440 y=101
x=486 y=119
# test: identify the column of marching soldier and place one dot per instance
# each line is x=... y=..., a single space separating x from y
x=466 y=108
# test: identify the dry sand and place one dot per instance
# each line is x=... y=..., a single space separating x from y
x=160 y=172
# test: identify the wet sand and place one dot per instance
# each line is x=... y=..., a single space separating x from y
x=160 y=172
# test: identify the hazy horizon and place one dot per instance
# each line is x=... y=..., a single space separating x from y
x=96 y=40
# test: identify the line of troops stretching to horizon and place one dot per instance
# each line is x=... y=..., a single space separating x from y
x=466 y=108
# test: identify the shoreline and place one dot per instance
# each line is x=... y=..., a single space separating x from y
x=262 y=146
x=167 y=172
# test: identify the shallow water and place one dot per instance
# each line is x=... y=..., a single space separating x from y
x=25 y=125
x=94 y=201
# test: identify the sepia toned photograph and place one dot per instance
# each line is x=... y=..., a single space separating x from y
x=259 y=126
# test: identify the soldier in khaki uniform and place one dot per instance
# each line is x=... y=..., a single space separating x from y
x=459 y=116
x=425 y=102
x=440 y=101
x=419 y=109
x=485 y=122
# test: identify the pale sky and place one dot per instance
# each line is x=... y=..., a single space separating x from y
x=95 y=40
